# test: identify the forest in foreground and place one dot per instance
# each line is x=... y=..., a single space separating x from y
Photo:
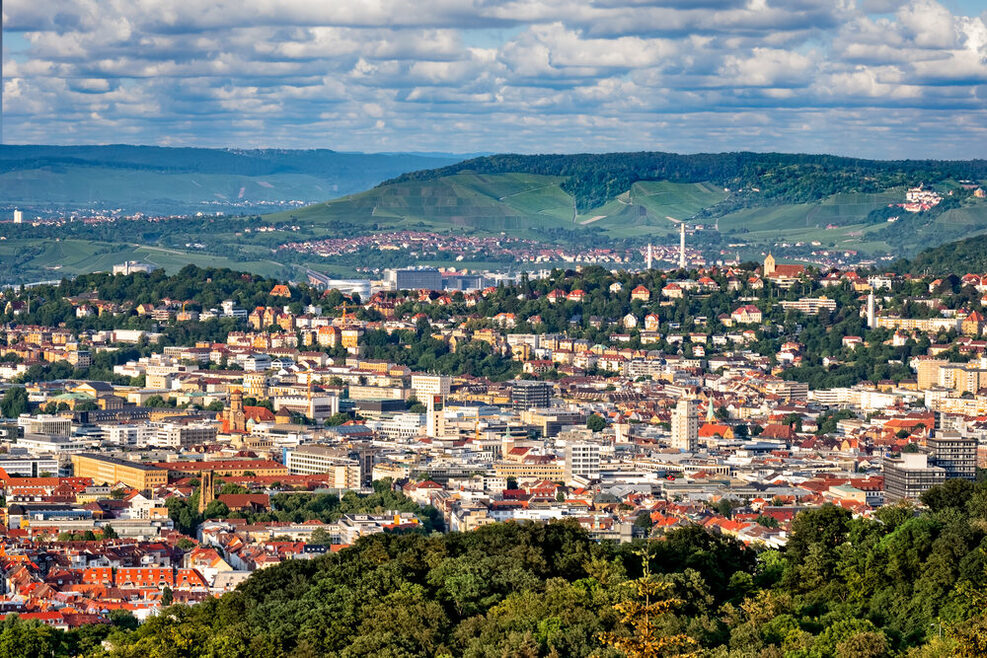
x=904 y=583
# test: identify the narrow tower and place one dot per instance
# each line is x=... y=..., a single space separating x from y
x=650 y=257
x=236 y=418
x=685 y=425
x=206 y=491
x=871 y=316
x=430 y=420
x=682 y=246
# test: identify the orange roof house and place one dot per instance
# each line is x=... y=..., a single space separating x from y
x=258 y=414
x=710 y=430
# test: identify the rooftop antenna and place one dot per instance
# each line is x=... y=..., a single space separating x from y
x=681 y=224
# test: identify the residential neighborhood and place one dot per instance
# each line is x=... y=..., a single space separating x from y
x=628 y=403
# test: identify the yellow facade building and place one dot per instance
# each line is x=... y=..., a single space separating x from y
x=110 y=470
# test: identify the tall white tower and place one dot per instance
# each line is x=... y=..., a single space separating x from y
x=432 y=387
x=430 y=419
x=871 y=315
x=682 y=246
x=685 y=425
x=650 y=258
x=18 y=216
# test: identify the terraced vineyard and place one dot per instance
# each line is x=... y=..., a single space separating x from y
x=521 y=203
x=494 y=203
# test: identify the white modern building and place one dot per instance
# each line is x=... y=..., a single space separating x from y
x=685 y=425
x=581 y=459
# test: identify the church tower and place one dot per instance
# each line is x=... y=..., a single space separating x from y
x=206 y=492
x=236 y=419
x=769 y=265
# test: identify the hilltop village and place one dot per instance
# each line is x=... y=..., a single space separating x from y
x=165 y=436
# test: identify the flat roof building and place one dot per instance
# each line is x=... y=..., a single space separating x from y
x=227 y=467
x=414 y=279
x=909 y=476
x=954 y=453
x=110 y=470
x=526 y=394
x=343 y=468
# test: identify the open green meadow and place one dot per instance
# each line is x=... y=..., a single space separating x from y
x=24 y=261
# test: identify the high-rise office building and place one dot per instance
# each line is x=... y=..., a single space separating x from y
x=425 y=385
x=581 y=458
x=909 y=476
x=530 y=394
x=954 y=453
x=414 y=279
x=431 y=389
x=685 y=425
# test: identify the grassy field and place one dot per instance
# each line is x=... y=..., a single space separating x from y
x=973 y=217
x=42 y=260
x=842 y=210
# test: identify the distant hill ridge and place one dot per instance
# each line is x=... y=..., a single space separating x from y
x=817 y=208
x=594 y=179
x=748 y=200
x=182 y=179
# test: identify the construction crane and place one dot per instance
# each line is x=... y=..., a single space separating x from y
x=345 y=319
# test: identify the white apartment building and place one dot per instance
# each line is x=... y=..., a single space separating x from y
x=399 y=426
x=175 y=435
x=685 y=425
x=129 y=435
x=581 y=459
x=324 y=460
x=425 y=385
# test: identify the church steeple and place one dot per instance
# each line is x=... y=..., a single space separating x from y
x=236 y=419
x=769 y=265
x=207 y=491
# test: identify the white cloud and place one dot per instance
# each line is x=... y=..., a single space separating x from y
x=518 y=75
x=767 y=67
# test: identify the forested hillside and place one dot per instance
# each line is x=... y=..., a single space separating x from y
x=594 y=179
x=960 y=257
x=903 y=583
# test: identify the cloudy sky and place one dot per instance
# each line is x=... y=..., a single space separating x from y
x=876 y=78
